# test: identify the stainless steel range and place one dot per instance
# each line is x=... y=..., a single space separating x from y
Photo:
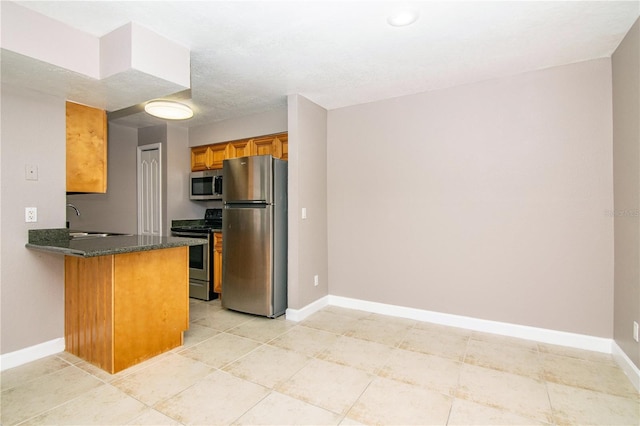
x=200 y=257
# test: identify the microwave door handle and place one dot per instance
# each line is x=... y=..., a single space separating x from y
x=217 y=185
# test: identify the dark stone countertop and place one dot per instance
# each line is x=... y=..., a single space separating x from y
x=58 y=241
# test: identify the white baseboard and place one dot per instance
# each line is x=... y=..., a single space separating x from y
x=629 y=368
x=561 y=338
x=313 y=307
x=32 y=353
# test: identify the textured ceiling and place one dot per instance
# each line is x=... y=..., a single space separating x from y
x=246 y=57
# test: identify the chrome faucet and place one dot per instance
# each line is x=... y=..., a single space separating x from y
x=75 y=208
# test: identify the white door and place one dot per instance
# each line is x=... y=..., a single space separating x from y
x=150 y=190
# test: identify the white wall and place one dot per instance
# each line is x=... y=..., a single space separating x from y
x=486 y=200
x=32 y=283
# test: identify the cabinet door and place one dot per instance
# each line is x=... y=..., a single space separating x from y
x=268 y=145
x=200 y=158
x=218 y=154
x=208 y=157
x=86 y=149
x=241 y=148
x=217 y=262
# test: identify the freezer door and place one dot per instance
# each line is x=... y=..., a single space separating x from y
x=247 y=260
x=248 y=179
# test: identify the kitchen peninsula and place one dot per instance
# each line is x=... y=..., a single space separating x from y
x=126 y=296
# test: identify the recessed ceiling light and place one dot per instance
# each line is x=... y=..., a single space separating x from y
x=169 y=110
x=403 y=18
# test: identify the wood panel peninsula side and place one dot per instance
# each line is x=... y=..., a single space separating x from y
x=126 y=297
x=123 y=309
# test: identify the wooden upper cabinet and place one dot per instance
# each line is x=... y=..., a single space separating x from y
x=241 y=148
x=86 y=149
x=207 y=157
x=201 y=158
x=266 y=145
x=218 y=155
x=211 y=156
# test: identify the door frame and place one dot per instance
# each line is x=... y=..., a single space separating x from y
x=140 y=148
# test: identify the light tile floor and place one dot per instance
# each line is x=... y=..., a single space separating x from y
x=339 y=366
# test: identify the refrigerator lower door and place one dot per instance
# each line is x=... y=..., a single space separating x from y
x=247 y=268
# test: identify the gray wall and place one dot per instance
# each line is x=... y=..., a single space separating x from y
x=308 y=238
x=486 y=200
x=265 y=123
x=31 y=283
x=626 y=184
x=177 y=177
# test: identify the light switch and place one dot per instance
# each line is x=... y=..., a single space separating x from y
x=304 y=212
x=31 y=172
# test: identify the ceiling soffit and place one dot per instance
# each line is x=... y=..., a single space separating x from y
x=99 y=71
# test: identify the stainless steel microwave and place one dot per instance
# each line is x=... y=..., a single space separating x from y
x=206 y=185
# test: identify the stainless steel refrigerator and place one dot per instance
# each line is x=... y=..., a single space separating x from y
x=254 y=235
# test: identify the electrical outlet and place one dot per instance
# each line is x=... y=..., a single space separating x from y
x=635 y=331
x=315 y=280
x=30 y=214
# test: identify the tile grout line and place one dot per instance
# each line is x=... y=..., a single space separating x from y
x=546 y=387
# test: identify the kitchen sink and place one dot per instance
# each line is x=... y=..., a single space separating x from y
x=82 y=235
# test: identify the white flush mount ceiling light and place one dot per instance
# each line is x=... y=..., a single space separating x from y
x=168 y=110
x=402 y=18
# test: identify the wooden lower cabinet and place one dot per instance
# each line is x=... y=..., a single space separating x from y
x=217 y=262
x=126 y=308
